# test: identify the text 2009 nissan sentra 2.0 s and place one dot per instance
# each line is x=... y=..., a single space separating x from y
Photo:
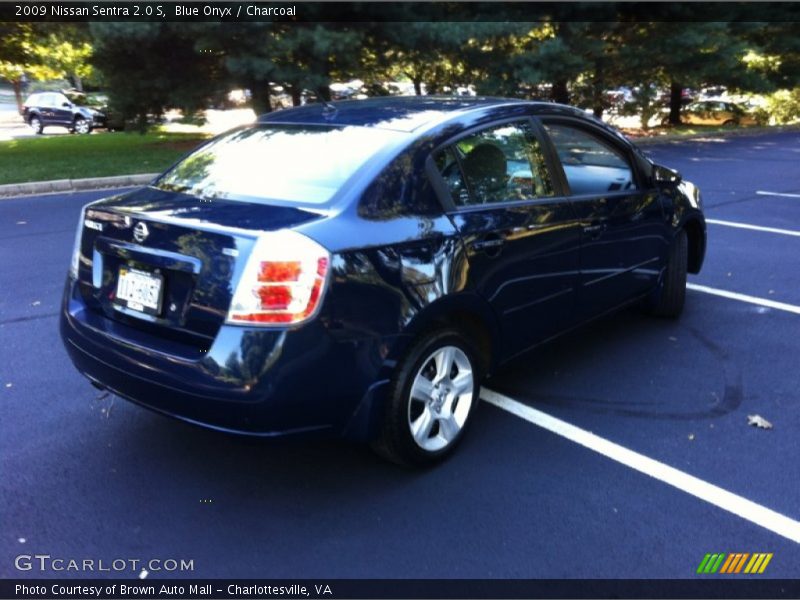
x=359 y=267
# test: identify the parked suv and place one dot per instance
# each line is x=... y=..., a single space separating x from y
x=44 y=109
x=359 y=267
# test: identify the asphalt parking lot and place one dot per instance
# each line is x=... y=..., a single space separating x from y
x=85 y=476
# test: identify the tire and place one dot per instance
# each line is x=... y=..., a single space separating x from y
x=668 y=300
x=81 y=126
x=424 y=427
x=729 y=123
x=36 y=124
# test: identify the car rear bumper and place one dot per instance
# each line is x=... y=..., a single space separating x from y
x=249 y=380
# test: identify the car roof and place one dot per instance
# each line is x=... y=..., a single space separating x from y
x=399 y=113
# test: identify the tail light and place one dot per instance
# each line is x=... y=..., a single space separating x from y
x=76 y=246
x=283 y=281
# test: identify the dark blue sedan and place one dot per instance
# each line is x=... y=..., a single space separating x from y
x=358 y=268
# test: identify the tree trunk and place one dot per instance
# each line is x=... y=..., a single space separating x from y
x=17 y=85
x=296 y=95
x=325 y=92
x=560 y=93
x=417 y=86
x=78 y=83
x=675 y=90
x=598 y=101
x=260 y=97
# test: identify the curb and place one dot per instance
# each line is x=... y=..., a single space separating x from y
x=75 y=185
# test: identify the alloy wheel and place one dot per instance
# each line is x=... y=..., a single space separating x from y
x=81 y=126
x=440 y=398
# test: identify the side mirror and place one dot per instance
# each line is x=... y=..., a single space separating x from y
x=67 y=104
x=665 y=175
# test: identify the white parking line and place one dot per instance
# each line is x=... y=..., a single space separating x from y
x=754 y=227
x=744 y=298
x=782 y=195
x=739 y=506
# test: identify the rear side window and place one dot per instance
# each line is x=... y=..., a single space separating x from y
x=504 y=163
x=300 y=164
x=592 y=166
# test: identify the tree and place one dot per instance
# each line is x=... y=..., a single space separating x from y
x=65 y=58
x=685 y=54
x=147 y=67
x=310 y=56
x=245 y=53
x=43 y=51
x=422 y=52
x=17 y=57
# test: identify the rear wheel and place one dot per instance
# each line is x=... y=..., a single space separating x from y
x=669 y=298
x=36 y=125
x=432 y=397
x=729 y=123
x=81 y=126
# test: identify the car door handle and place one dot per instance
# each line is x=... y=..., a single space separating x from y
x=594 y=230
x=490 y=245
x=487 y=244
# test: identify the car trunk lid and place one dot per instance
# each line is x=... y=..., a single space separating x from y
x=178 y=257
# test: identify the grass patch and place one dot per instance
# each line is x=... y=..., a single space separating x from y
x=99 y=155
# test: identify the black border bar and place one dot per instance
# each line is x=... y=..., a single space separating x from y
x=309 y=12
x=301 y=589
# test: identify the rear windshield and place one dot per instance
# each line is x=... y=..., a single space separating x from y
x=291 y=163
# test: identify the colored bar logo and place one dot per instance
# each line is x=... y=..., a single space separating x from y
x=734 y=563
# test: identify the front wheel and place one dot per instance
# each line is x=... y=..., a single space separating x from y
x=81 y=126
x=669 y=298
x=431 y=399
x=36 y=125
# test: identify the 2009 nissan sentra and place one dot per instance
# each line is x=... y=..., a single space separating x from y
x=358 y=268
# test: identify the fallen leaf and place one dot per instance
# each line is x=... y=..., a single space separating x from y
x=22 y=222
x=673 y=339
x=771 y=292
x=691 y=437
x=758 y=421
x=8 y=385
x=21 y=540
x=36 y=303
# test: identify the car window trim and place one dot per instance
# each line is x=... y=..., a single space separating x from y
x=603 y=136
x=443 y=192
x=511 y=204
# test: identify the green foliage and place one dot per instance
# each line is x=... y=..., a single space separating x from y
x=148 y=67
x=783 y=107
x=62 y=58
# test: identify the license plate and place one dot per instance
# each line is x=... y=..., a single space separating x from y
x=139 y=290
